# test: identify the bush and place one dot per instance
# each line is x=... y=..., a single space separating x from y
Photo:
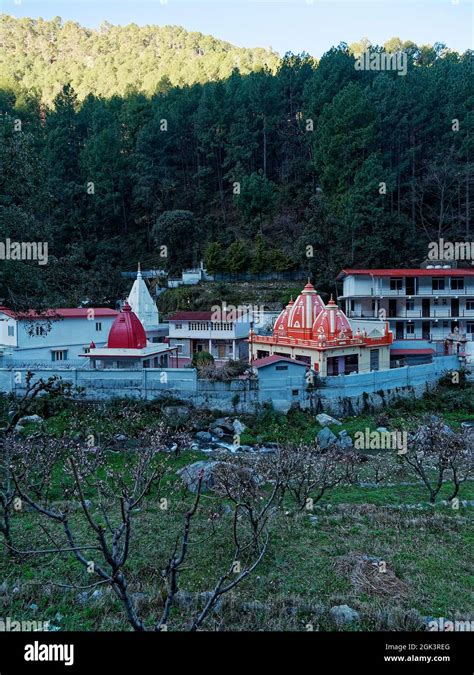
x=202 y=359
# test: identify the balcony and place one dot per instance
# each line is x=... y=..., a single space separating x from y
x=435 y=313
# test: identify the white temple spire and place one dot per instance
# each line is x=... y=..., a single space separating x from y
x=143 y=304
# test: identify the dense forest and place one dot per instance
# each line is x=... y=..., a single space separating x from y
x=156 y=144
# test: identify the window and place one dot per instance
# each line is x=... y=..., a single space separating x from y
x=87 y=350
x=396 y=284
x=457 y=284
x=410 y=328
x=470 y=327
x=59 y=355
x=11 y=331
x=178 y=326
x=40 y=330
x=374 y=359
x=98 y=326
x=445 y=324
x=410 y=305
x=470 y=303
x=437 y=284
x=281 y=367
x=294 y=392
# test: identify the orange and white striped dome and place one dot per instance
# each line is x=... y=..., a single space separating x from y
x=332 y=323
x=307 y=306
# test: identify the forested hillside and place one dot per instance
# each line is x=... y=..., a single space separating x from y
x=44 y=55
x=366 y=167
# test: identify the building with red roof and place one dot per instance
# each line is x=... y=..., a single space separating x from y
x=60 y=335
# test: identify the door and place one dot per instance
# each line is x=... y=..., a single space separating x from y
x=454 y=307
x=425 y=330
x=425 y=307
x=392 y=307
x=374 y=359
x=410 y=285
x=221 y=350
x=399 y=330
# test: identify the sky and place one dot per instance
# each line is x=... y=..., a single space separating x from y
x=312 y=26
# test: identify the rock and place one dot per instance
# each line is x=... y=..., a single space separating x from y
x=382 y=430
x=120 y=438
x=343 y=614
x=324 y=420
x=265 y=449
x=18 y=429
x=58 y=617
x=218 y=431
x=325 y=438
x=190 y=474
x=239 y=427
x=344 y=441
x=225 y=423
x=176 y=411
x=31 y=419
x=204 y=436
x=97 y=594
x=34 y=606
x=313 y=520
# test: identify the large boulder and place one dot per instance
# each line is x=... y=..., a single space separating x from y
x=325 y=438
x=324 y=420
x=343 y=614
x=210 y=470
x=224 y=423
x=30 y=419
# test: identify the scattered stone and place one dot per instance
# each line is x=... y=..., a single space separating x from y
x=324 y=420
x=313 y=520
x=204 y=436
x=58 y=617
x=18 y=429
x=120 y=438
x=97 y=594
x=382 y=430
x=225 y=423
x=31 y=419
x=190 y=474
x=343 y=614
x=34 y=607
x=239 y=427
x=325 y=438
x=218 y=431
x=174 y=411
x=344 y=441
x=82 y=598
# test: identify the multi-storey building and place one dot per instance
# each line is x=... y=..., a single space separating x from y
x=434 y=303
x=225 y=339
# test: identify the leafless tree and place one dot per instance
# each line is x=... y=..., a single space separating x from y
x=437 y=454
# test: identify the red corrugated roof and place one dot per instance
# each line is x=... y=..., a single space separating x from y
x=422 y=272
x=267 y=360
x=62 y=312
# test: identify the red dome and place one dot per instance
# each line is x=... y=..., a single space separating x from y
x=332 y=323
x=127 y=331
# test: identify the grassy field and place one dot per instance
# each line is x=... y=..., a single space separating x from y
x=315 y=559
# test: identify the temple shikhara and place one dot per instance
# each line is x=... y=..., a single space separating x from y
x=322 y=336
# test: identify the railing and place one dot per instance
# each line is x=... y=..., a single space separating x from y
x=443 y=313
x=316 y=344
x=382 y=292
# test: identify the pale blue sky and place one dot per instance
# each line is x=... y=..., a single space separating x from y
x=285 y=25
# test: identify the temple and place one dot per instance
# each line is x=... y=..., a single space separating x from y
x=322 y=336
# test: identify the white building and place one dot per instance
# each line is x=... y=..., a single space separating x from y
x=145 y=308
x=57 y=335
x=192 y=332
x=431 y=305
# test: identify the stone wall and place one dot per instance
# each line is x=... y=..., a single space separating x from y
x=341 y=394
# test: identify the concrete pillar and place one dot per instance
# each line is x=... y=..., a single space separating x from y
x=210 y=346
x=233 y=349
x=340 y=365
